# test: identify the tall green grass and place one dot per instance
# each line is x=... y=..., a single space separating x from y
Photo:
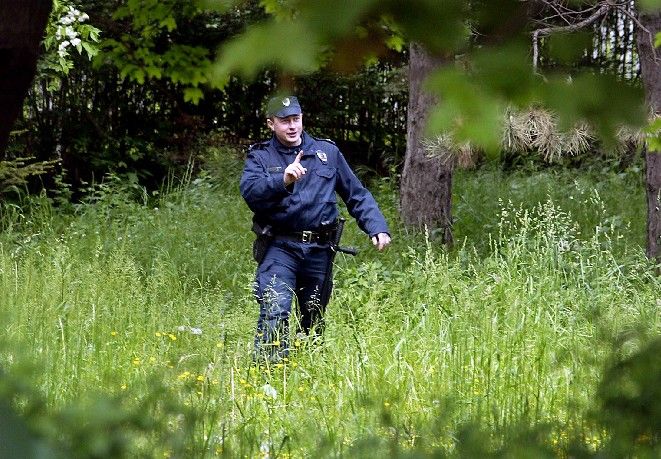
x=137 y=294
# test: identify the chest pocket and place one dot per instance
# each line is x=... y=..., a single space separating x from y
x=326 y=172
x=325 y=183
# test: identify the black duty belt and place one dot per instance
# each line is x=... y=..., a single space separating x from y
x=308 y=237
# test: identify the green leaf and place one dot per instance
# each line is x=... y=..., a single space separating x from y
x=138 y=75
x=169 y=23
x=467 y=111
x=261 y=47
x=153 y=72
x=396 y=42
x=657 y=40
x=602 y=100
x=90 y=49
x=193 y=95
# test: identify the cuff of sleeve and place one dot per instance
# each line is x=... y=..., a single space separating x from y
x=379 y=232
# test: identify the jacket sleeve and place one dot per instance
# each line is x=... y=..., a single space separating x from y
x=361 y=204
x=260 y=188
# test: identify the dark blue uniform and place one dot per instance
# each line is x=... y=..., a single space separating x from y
x=292 y=266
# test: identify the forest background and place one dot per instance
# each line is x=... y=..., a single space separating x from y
x=131 y=112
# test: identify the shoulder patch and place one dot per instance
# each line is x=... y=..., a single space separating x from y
x=258 y=146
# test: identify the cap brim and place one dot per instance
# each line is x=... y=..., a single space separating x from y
x=287 y=111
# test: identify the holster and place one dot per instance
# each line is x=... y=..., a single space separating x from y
x=263 y=239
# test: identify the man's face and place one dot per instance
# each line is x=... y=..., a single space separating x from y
x=287 y=130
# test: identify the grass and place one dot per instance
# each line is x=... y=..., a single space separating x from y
x=148 y=301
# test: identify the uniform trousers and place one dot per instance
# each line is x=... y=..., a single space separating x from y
x=290 y=270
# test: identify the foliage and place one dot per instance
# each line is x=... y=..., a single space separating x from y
x=630 y=399
x=96 y=425
x=493 y=349
x=536 y=131
x=145 y=49
x=133 y=111
x=475 y=91
x=66 y=29
x=14 y=173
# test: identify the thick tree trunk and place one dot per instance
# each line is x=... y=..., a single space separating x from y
x=22 y=25
x=426 y=187
x=650 y=71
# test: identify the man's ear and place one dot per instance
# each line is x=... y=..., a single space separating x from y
x=269 y=123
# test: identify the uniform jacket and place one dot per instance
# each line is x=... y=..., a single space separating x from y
x=311 y=201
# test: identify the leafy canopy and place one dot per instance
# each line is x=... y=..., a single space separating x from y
x=153 y=45
x=485 y=45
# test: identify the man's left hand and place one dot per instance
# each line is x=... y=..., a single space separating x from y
x=381 y=240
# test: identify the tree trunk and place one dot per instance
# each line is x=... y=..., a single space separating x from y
x=426 y=187
x=22 y=25
x=650 y=72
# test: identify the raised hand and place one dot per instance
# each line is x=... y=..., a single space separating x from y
x=294 y=171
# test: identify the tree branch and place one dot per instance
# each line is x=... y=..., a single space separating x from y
x=603 y=9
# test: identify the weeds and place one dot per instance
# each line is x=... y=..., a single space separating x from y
x=496 y=348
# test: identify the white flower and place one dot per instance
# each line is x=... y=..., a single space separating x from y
x=270 y=391
x=192 y=330
x=264 y=449
x=63 y=45
x=563 y=246
x=75 y=41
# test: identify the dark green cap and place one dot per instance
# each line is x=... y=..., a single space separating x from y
x=283 y=107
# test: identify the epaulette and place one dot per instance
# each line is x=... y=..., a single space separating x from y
x=323 y=140
x=258 y=146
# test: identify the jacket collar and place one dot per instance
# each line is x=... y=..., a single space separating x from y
x=306 y=145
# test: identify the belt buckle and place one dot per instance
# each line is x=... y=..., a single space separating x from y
x=306 y=237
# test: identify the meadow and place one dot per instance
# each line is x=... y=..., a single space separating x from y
x=128 y=323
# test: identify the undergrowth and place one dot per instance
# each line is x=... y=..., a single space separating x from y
x=129 y=321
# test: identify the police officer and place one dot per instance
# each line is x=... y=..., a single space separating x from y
x=290 y=183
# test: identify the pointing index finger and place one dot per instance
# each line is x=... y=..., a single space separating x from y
x=298 y=157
